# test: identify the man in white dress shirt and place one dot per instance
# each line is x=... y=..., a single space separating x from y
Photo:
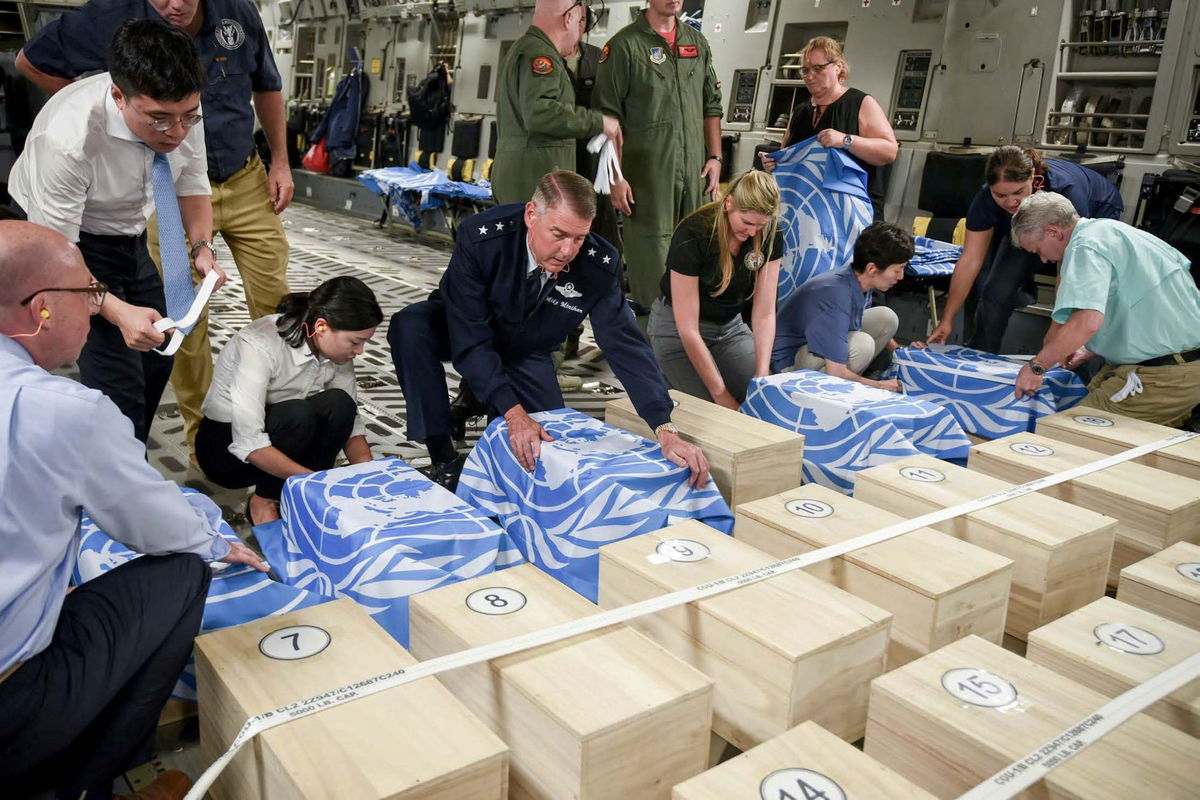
x=86 y=172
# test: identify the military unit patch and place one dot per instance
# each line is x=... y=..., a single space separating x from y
x=604 y=54
x=657 y=55
x=542 y=66
x=689 y=51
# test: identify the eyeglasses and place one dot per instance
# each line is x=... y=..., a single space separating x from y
x=187 y=122
x=816 y=69
x=96 y=292
x=589 y=15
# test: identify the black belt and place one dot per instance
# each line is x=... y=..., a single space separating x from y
x=1173 y=358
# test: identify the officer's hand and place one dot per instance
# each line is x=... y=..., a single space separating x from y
x=1027 y=383
x=612 y=129
x=891 y=384
x=941 y=333
x=1078 y=357
x=768 y=163
x=204 y=263
x=622 y=198
x=685 y=454
x=136 y=324
x=280 y=186
x=241 y=554
x=712 y=172
x=525 y=436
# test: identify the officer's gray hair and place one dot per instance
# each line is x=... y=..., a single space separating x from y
x=1038 y=211
x=562 y=188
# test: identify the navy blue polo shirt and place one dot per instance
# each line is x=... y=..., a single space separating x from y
x=821 y=313
x=233 y=47
x=1090 y=192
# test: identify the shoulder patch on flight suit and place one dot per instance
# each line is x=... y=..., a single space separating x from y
x=657 y=55
x=689 y=51
x=542 y=66
x=604 y=54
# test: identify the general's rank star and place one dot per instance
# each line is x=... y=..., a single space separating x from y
x=591 y=251
x=499 y=226
x=607 y=259
x=483 y=229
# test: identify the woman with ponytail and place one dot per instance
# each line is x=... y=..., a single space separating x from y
x=721 y=255
x=283 y=398
x=1012 y=175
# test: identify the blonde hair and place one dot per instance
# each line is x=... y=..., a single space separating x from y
x=832 y=50
x=755 y=192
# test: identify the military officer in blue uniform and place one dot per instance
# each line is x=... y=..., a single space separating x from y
x=521 y=278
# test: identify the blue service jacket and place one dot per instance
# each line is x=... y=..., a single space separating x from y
x=483 y=290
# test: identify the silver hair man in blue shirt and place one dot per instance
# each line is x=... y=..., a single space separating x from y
x=84 y=673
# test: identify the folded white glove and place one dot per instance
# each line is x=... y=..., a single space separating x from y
x=608 y=172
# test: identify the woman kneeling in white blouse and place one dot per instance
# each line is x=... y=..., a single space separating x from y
x=283 y=400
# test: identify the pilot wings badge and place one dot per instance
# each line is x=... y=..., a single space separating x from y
x=567 y=290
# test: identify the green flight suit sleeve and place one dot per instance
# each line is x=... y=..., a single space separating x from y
x=612 y=82
x=712 y=92
x=543 y=95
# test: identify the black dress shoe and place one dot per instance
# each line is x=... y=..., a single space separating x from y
x=463 y=407
x=445 y=473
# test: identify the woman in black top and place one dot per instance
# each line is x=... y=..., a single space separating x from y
x=841 y=117
x=721 y=255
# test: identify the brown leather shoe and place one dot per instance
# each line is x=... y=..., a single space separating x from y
x=171 y=785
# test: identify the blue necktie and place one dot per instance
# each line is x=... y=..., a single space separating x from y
x=177 y=272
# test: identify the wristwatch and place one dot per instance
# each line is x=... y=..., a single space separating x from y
x=198 y=245
x=718 y=159
x=669 y=427
x=847 y=141
x=1036 y=368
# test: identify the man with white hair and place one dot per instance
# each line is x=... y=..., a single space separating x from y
x=1123 y=295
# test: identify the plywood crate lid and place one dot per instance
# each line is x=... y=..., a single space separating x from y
x=622 y=674
x=1126 y=760
x=437 y=734
x=943 y=563
x=724 y=428
x=1162 y=572
x=1123 y=432
x=807 y=746
x=1146 y=487
x=825 y=615
x=1035 y=518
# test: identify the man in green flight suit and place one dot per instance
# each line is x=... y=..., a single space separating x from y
x=656 y=76
x=537 y=121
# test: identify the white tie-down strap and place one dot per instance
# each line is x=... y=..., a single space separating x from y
x=608 y=172
x=166 y=323
x=1133 y=385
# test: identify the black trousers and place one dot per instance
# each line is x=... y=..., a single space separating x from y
x=131 y=379
x=85 y=709
x=420 y=342
x=309 y=431
x=1000 y=294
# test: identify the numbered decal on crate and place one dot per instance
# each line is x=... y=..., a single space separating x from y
x=812 y=509
x=1031 y=449
x=799 y=784
x=294 y=642
x=1129 y=639
x=496 y=600
x=922 y=474
x=979 y=687
x=1189 y=570
x=1095 y=422
x=685 y=550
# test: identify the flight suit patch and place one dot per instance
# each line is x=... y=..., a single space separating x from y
x=657 y=55
x=542 y=66
x=689 y=51
x=604 y=54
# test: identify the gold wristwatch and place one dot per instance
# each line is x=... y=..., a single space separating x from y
x=669 y=427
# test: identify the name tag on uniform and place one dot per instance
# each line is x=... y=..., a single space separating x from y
x=689 y=51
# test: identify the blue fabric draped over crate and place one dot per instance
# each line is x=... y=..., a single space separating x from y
x=825 y=207
x=402 y=186
x=377 y=533
x=236 y=595
x=593 y=485
x=977 y=388
x=933 y=258
x=848 y=427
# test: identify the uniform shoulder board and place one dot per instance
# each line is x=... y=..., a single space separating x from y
x=597 y=251
x=486 y=226
x=542 y=65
